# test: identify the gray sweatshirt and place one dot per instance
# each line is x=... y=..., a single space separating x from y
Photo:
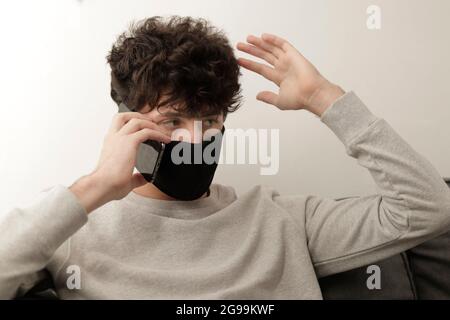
x=261 y=245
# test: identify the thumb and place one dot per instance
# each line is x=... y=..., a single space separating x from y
x=268 y=97
x=137 y=180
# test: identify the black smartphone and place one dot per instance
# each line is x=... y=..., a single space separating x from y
x=149 y=154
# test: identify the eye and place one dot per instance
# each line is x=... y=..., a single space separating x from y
x=171 y=123
x=210 y=122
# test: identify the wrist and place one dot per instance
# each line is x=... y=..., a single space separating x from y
x=323 y=97
x=90 y=192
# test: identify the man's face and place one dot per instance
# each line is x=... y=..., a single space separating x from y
x=182 y=127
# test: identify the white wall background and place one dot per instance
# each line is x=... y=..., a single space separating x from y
x=54 y=82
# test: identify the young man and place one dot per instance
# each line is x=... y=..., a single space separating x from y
x=126 y=238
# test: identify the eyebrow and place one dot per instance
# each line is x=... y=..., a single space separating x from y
x=170 y=114
x=182 y=115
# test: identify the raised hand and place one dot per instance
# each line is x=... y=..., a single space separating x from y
x=301 y=86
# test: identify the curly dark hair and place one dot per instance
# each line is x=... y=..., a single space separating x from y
x=178 y=61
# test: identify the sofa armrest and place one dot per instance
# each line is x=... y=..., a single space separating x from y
x=422 y=272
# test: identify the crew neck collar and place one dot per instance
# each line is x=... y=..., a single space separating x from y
x=192 y=209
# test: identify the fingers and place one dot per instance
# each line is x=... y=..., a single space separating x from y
x=257 y=52
x=268 y=97
x=149 y=134
x=266 y=71
x=267 y=46
x=120 y=119
x=136 y=124
x=278 y=42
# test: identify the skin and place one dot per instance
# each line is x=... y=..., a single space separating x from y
x=300 y=86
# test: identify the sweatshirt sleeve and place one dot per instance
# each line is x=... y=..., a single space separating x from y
x=412 y=203
x=29 y=236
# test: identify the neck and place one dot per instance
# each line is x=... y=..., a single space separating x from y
x=151 y=191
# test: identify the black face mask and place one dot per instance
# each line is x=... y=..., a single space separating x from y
x=182 y=170
x=192 y=172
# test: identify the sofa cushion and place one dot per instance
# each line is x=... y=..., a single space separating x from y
x=430 y=264
x=395 y=279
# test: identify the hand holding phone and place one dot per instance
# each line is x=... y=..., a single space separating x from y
x=113 y=178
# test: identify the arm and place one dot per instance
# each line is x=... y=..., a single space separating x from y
x=411 y=206
x=413 y=203
x=29 y=236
